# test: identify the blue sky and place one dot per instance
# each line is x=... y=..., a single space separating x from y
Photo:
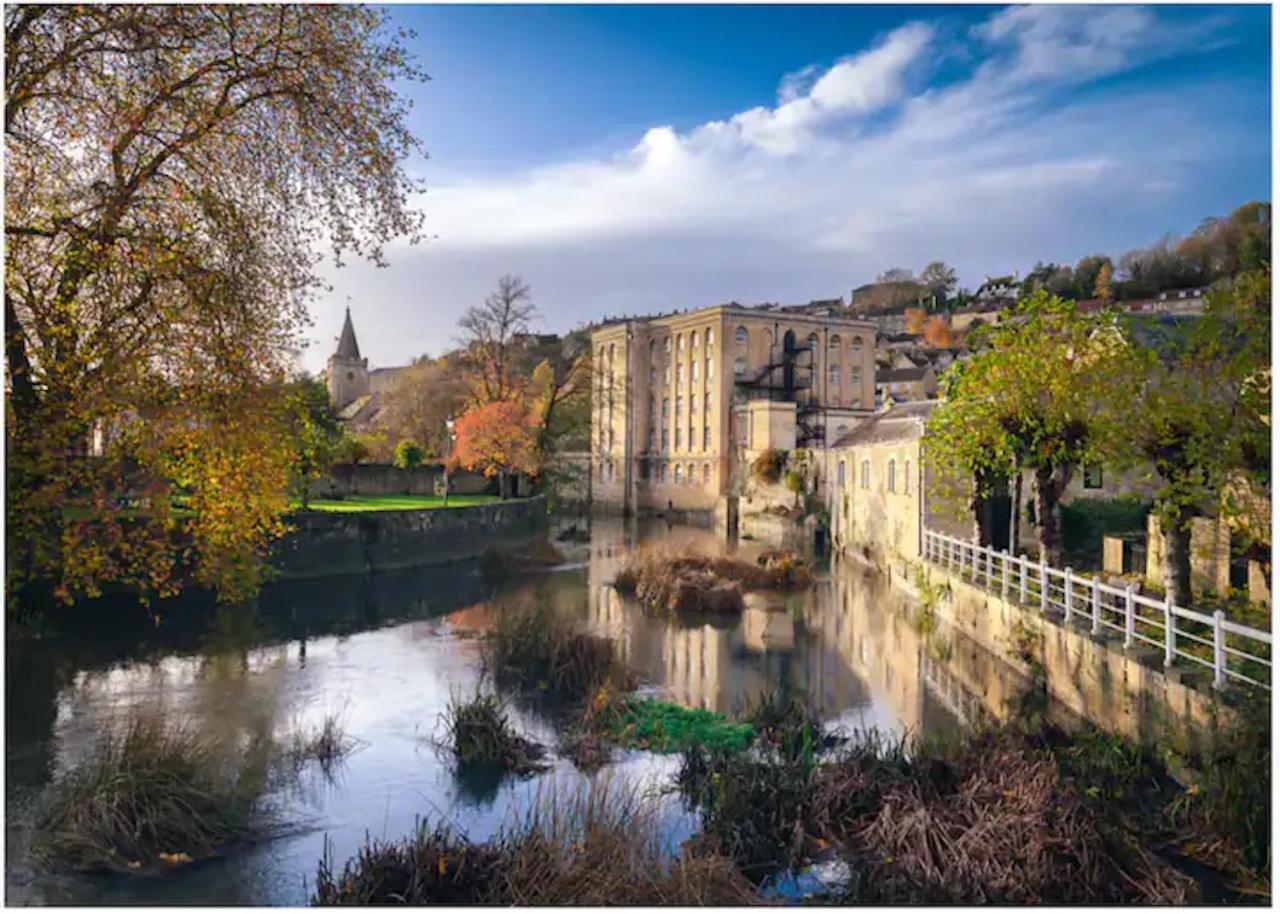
x=632 y=159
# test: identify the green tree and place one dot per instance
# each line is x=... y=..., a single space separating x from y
x=408 y=455
x=1197 y=409
x=940 y=283
x=1026 y=402
x=169 y=171
x=315 y=436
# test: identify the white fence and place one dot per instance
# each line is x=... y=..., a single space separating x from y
x=1231 y=651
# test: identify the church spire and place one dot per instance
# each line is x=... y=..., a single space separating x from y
x=347 y=346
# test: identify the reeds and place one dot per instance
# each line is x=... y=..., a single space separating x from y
x=589 y=844
x=664 y=579
x=479 y=732
x=327 y=745
x=149 y=792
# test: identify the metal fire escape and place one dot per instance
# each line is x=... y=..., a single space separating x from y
x=789 y=378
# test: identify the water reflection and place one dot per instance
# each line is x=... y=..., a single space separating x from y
x=387 y=652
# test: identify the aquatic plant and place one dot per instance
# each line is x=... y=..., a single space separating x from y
x=152 y=791
x=589 y=844
x=479 y=731
x=665 y=579
x=327 y=745
x=663 y=726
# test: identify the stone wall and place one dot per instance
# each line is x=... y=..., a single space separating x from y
x=1210 y=555
x=1128 y=692
x=386 y=479
x=325 y=543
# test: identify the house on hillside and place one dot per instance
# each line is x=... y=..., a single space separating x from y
x=905 y=385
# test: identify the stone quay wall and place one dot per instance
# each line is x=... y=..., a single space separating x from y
x=387 y=479
x=324 y=543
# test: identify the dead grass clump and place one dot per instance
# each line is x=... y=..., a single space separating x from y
x=664 y=579
x=327 y=745
x=535 y=648
x=479 y=731
x=151 y=792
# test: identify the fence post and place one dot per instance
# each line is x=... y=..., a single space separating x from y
x=1097 y=606
x=1004 y=574
x=1044 y=586
x=1128 y=615
x=1219 y=652
x=951 y=555
x=1170 y=633
x=976 y=557
x=1067 y=589
x=991 y=563
x=1022 y=579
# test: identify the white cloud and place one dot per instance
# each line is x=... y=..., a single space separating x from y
x=858 y=166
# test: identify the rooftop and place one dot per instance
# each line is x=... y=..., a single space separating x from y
x=901 y=422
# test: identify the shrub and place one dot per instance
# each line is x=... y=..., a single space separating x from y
x=794 y=482
x=666 y=727
x=408 y=454
x=768 y=466
x=151 y=791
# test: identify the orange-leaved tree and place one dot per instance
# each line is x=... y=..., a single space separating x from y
x=496 y=439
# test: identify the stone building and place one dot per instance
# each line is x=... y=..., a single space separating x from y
x=354 y=389
x=682 y=402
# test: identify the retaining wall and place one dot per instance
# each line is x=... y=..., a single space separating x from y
x=325 y=543
x=388 y=479
x=1127 y=692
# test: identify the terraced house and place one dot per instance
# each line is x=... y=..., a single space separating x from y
x=681 y=401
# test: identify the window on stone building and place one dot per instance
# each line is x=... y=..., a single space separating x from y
x=677 y=438
x=834 y=342
x=679 y=474
x=840 y=475
x=906 y=477
x=693 y=475
x=833 y=375
x=709 y=372
x=679 y=373
x=693 y=371
x=1093 y=476
x=739 y=367
x=693 y=339
x=679 y=406
x=666 y=345
x=692 y=439
x=740 y=336
x=892 y=471
x=666 y=438
x=662 y=472
x=653 y=374
x=857 y=345
x=680 y=343
x=611 y=439
x=706 y=474
x=866 y=474
x=666 y=407
x=856 y=376
x=813 y=342
x=653 y=437
x=693 y=404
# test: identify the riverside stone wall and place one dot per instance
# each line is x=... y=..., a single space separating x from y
x=325 y=543
x=386 y=479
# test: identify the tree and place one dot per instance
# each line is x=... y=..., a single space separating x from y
x=1197 y=410
x=169 y=171
x=496 y=439
x=419 y=400
x=915 y=320
x=940 y=282
x=895 y=275
x=937 y=332
x=408 y=455
x=1086 y=275
x=1027 y=402
x=491 y=335
x=314 y=434
x=1102 y=284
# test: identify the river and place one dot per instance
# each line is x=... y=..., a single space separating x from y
x=385 y=653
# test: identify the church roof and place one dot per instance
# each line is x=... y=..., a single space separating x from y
x=348 y=348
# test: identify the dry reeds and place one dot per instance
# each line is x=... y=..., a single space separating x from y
x=664 y=579
x=327 y=745
x=151 y=791
x=479 y=731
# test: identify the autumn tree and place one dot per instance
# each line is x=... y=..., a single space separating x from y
x=937 y=332
x=1196 y=409
x=497 y=439
x=1086 y=275
x=169 y=171
x=420 y=399
x=1027 y=402
x=914 y=320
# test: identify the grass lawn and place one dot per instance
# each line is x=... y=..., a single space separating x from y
x=394 y=502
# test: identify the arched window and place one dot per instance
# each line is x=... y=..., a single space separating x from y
x=706 y=474
x=679 y=478
x=866 y=474
x=739 y=367
x=693 y=475
x=740 y=336
x=906 y=478
x=834 y=342
x=857 y=345
x=666 y=407
x=666 y=345
x=813 y=342
x=892 y=468
x=710 y=337
x=680 y=343
x=662 y=472
x=693 y=339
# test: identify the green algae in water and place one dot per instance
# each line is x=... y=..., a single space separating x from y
x=663 y=726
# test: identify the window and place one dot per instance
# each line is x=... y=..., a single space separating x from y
x=662 y=472
x=710 y=337
x=693 y=404
x=644 y=471
x=857 y=345
x=706 y=437
x=739 y=367
x=653 y=437
x=1093 y=476
x=666 y=407
x=666 y=345
x=666 y=438
x=602 y=471
x=680 y=343
x=612 y=353
x=833 y=375
x=840 y=475
x=679 y=406
x=679 y=474
x=611 y=439
x=679 y=373
x=706 y=403
x=906 y=478
x=666 y=374
x=693 y=339
x=653 y=374
x=740 y=336
x=709 y=371
x=856 y=376
x=866 y=474
x=892 y=473
x=813 y=342
x=834 y=343
x=692 y=439
x=693 y=371
x=677 y=438
x=706 y=474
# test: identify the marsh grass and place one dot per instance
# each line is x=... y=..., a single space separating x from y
x=590 y=844
x=152 y=792
x=327 y=745
x=478 y=731
x=664 y=579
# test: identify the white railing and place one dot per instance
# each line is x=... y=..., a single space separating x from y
x=1233 y=652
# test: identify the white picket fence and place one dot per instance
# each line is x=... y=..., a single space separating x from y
x=1235 y=652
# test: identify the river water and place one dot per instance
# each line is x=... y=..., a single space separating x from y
x=386 y=652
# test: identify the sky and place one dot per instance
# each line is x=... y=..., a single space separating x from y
x=631 y=159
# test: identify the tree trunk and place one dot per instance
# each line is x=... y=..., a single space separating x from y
x=1047 y=493
x=976 y=504
x=1177 y=557
x=1015 y=513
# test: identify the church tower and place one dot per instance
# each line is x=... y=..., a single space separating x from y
x=348 y=374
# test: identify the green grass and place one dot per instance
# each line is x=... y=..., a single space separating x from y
x=394 y=502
